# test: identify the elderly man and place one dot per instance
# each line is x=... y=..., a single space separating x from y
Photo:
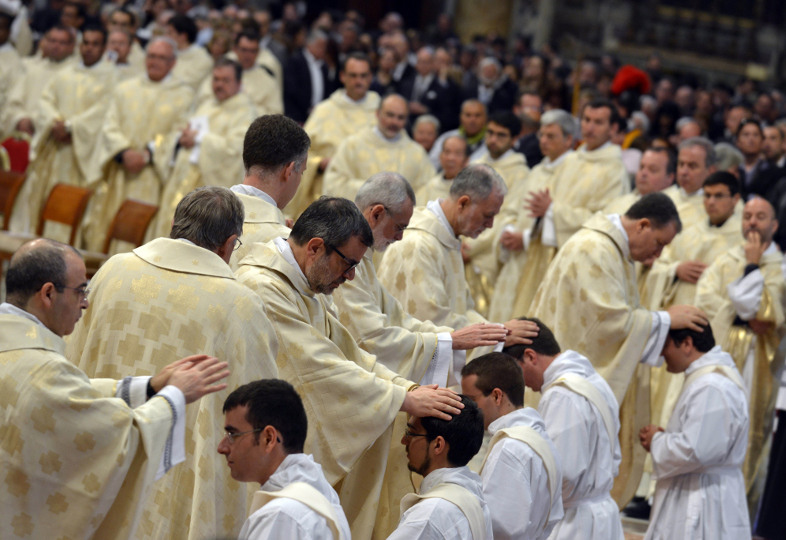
x=582 y=419
x=491 y=86
x=79 y=455
x=521 y=474
x=347 y=111
x=69 y=118
x=274 y=156
x=207 y=151
x=450 y=505
x=427 y=94
x=743 y=292
x=695 y=162
x=193 y=61
x=350 y=397
x=141 y=111
x=472 y=127
x=700 y=489
x=452 y=159
x=305 y=77
x=170 y=297
x=589 y=297
x=295 y=500
x=656 y=173
x=385 y=147
x=524 y=257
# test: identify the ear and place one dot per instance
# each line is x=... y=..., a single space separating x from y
x=440 y=446
x=46 y=294
x=497 y=395
x=463 y=201
x=643 y=223
x=225 y=250
x=375 y=214
x=314 y=246
x=286 y=172
x=269 y=438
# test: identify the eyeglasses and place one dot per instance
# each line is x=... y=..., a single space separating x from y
x=81 y=290
x=352 y=264
x=409 y=435
x=238 y=243
x=232 y=437
x=717 y=196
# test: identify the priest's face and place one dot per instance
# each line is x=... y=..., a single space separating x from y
x=225 y=83
x=596 y=127
x=476 y=217
x=247 y=51
x=329 y=270
x=67 y=305
x=553 y=141
x=532 y=370
x=719 y=203
x=453 y=157
x=498 y=139
x=245 y=456
x=356 y=78
x=758 y=217
x=160 y=60
x=692 y=168
x=653 y=172
x=392 y=116
x=677 y=356
x=92 y=47
x=391 y=226
x=647 y=242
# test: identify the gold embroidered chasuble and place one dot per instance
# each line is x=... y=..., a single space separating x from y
x=740 y=342
x=77 y=95
x=77 y=462
x=589 y=298
x=424 y=272
x=140 y=112
x=193 y=66
x=332 y=121
x=262 y=223
x=436 y=188
x=166 y=300
x=257 y=84
x=219 y=160
x=367 y=153
x=350 y=398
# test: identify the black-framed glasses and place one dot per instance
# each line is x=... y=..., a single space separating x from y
x=82 y=291
x=352 y=264
x=232 y=437
x=238 y=243
x=409 y=434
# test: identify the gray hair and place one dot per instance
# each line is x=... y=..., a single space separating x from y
x=427 y=119
x=478 y=181
x=684 y=121
x=31 y=268
x=704 y=143
x=490 y=61
x=208 y=216
x=561 y=118
x=316 y=35
x=727 y=156
x=333 y=219
x=168 y=40
x=389 y=189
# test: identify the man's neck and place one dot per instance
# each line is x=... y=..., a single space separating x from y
x=267 y=187
x=449 y=209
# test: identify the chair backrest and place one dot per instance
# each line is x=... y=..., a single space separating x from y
x=18 y=152
x=130 y=223
x=10 y=184
x=66 y=204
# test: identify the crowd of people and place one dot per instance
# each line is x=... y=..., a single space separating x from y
x=354 y=224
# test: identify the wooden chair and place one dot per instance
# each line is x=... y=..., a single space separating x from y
x=66 y=204
x=129 y=225
x=10 y=184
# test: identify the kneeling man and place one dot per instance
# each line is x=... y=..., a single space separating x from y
x=265 y=431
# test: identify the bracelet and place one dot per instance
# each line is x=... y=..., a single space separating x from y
x=413 y=387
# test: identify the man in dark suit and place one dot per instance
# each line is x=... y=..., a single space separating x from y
x=427 y=94
x=305 y=78
x=491 y=87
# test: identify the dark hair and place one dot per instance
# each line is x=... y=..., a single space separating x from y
x=274 y=141
x=183 y=24
x=208 y=216
x=508 y=120
x=273 y=402
x=248 y=34
x=656 y=207
x=92 y=27
x=226 y=62
x=725 y=178
x=497 y=370
x=544 y=343
x=81 y=12
x=614 y=114
x=362 y=57
x=31 y=269
x=126 y=11
x=671 y=158
x=463 y=432
x=702 y=341
x=333 y=219
x=749 y=122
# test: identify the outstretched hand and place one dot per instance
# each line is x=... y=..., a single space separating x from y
x=430 y=400
x=520 y=332
x=685 y=316
x=195 y=376
x=478 y=335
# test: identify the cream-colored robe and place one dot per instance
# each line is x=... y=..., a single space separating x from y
x=140 y=112
x=332 y=121
x=690 y=207
x=260 y=87
x=76 y=461
x=10 y=70
x=699 y=243
x=78 y=95
x=193 y=65
x=436 y=188
x=515 y=289
x=263 y=222
x=424 y=272
x=351 y=400
x=219 y=160
x=167 y=300
x=402 y=343
x=368 y=152
x=482 y=271
x=737 y=340
x=621 y=204
x=589 y=298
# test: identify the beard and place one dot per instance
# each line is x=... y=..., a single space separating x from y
x=317 y=277
x=423 y=467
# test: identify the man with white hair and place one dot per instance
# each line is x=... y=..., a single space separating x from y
x=695 y=162
x=492 y=87
x=141 y=111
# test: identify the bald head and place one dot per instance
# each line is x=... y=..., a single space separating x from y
x=392 y=115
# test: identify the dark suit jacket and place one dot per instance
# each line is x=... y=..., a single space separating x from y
x=442 y=100
x=502 y=100
x=297 y=87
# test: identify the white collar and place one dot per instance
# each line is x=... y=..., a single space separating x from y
x=10 y=309
x=436 y=209
x=251 y=191
x=286 y=251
